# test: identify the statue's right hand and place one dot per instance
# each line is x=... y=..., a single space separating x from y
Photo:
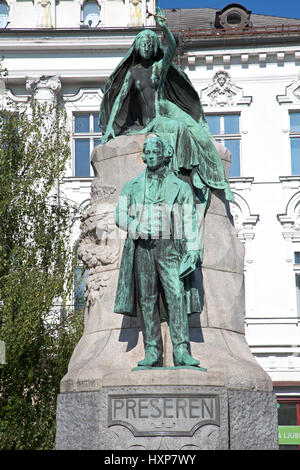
x=109 y=134
x=160 y=17
x=142 y=231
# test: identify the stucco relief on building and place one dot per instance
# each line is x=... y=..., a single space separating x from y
x=290 y=220
x=243 y=220
x=292 y=93
x=222 y=92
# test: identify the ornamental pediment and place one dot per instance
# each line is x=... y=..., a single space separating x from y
x=85 y=96
x=292 y=93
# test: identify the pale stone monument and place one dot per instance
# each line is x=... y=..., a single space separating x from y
x=103 y=402
x=168 y=401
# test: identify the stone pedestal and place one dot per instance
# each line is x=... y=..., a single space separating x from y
x=103 y=403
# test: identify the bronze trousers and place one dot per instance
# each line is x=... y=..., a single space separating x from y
x=157 y=262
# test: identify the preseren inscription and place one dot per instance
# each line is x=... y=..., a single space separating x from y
x=162 y=414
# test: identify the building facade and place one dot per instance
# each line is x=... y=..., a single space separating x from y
x=245 y=68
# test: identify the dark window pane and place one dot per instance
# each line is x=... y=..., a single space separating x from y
x=97 y=142
x=287 y=414
x=96 y=120
x=295 y=122
x=283 y=447
x=3 y=8
x=213 y=122
x=234 y=18
x=231 y=124
x=297 y=282
x=4 y=14
x=82 y=123
x=82 y=157
x=297 y=257
x=295 y=156
x=234 y=147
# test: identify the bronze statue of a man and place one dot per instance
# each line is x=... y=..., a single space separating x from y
x=153 y=256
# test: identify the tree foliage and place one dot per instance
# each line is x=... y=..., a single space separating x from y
x=37 y=265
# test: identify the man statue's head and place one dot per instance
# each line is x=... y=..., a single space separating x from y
x=156 y=152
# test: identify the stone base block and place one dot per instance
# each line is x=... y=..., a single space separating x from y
x=166 y=418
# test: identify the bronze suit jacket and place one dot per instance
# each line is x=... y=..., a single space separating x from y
x=128 y=213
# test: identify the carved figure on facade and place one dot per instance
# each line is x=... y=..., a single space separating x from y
x=45 y=20
x=135 y=18
x=223 y=92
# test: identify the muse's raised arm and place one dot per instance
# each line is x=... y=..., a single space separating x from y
x=170 y=52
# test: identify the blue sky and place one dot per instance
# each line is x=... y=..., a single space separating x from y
x=285 y=8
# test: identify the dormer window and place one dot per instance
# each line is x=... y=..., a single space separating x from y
x=4 y=14
x=91 y=13
x=233 y=16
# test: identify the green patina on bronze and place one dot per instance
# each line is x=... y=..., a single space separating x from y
x=148 y=93
x=149 y=280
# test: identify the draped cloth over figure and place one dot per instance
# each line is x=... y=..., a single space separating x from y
x=179 y=119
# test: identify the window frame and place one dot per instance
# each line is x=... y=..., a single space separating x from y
x=83 y=4
x=222 y=137
x=281 y=400
x=293 y=135
x=296 y=270
x=91 y=136
x=8 y=13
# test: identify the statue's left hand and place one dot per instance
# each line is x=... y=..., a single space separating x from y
x=194 y=256
x=189 y=262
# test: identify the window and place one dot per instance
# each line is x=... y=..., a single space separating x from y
x=297 y=282
x=289 y=423
x=91 y=14
x=297 y=278
x=297 y=257
x=295 y=142
x=86 y=136
x=4 y=14
x=226 y=130
x=234 y=18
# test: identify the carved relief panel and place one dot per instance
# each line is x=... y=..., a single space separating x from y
x=223 y=92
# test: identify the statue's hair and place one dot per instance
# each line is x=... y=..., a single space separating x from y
x=152 y=34
x=166 y=148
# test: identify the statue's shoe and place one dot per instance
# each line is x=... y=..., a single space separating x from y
x=182 y=357
x=152 y=359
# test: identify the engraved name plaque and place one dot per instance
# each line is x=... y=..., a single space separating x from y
x=163 y=414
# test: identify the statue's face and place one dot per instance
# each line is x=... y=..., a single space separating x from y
x=153 y=154
x=146 y=46
x=221 y=80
